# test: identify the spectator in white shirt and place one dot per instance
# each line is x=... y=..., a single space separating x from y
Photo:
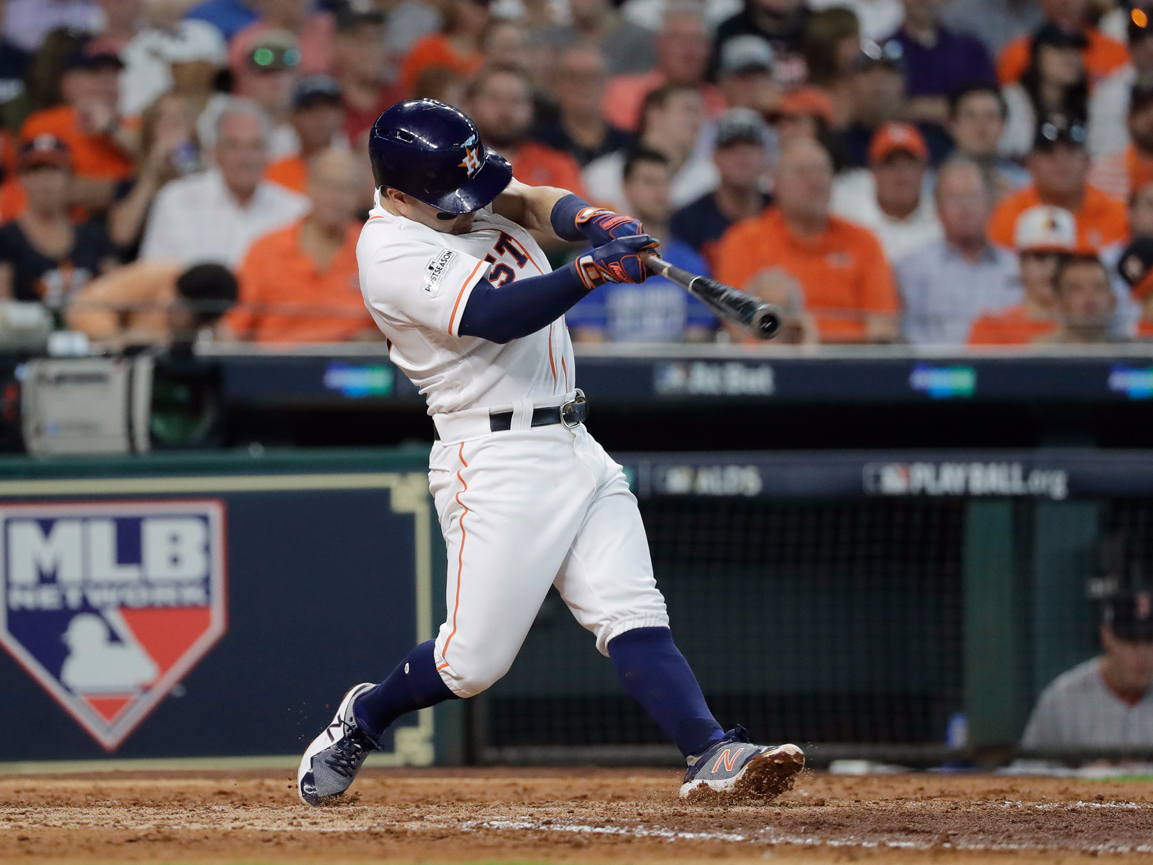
x=946 y=285
x=196 y=48
x=671 y=120
x=215 y=216
x=888 y=198
x=1109 y=101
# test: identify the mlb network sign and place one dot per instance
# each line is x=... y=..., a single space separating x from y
x=109 y=605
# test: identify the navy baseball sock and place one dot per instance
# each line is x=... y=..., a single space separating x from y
x=656 y=675
x=414 y=684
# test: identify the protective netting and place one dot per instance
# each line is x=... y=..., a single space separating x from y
x=830 y=622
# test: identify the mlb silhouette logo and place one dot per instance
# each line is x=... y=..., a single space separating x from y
x=109 y=605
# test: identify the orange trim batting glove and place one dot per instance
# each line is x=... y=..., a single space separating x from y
x=616 y=261
x=602 y=226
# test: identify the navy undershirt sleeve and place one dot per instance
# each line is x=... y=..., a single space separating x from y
x=521 y=307
x=563 y=217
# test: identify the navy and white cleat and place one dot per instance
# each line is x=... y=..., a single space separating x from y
x=736 y=769
x=330 y=764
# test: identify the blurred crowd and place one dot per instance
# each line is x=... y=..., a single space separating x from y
x=973 y=172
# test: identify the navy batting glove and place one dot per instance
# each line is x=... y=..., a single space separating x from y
x=617 y=261
x=603 y=226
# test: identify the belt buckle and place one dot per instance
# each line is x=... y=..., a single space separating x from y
x=568 y=410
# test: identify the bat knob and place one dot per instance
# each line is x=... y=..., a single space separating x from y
x=766 y=321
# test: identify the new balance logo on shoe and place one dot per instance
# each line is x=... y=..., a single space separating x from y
x=728 y=758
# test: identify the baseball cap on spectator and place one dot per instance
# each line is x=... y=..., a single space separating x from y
x=1130 y=615
x=190 y=41
x=1045 y=228
x=742 y=124
x=93 y=54
x=746 y=54
x=808 y=100
x=43 y=150
x=897 y=138
x=1058 y=37
x=1136 y=267
x=1055 y=128
x=890 y=54
x=273 y=50
x=1138 y=26
x=316 y=88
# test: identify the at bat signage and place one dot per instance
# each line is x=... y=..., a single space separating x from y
x=108 y=605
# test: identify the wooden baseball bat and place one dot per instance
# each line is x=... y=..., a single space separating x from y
x=759 y=318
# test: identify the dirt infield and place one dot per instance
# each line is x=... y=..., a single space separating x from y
x=510 y=815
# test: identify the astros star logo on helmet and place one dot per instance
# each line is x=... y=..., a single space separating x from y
x=471 y=162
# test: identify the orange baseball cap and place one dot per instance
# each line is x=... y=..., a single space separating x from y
x=44 y=149
x=808 y=100
x=897 y=138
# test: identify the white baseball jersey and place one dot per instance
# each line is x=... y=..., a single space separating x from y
x=521 y=509
x=416 y=283
x=1079 y=709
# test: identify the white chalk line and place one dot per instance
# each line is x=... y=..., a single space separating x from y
x=167 y=822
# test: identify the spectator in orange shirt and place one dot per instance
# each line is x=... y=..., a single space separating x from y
x=1084 y=302
x=103 y=148
x=848 y=286
x=318 y=118
x=1060 y=165
x=1101 y=54
x=682 y=58
x=1044 y=237
x=300 y=283
x=152 y=303
x=499 y=100
x=459 y=45
x=361 y=65
x=311 y=27
x=1120 y=174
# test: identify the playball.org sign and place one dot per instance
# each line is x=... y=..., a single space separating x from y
x=108 y=605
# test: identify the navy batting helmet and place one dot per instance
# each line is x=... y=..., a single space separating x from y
x=433 y=152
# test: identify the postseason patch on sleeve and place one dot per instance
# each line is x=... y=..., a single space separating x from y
x=434 y=271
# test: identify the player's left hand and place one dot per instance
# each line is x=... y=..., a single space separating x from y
x=602 y=226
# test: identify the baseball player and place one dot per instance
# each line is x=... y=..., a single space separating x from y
x=452 y=273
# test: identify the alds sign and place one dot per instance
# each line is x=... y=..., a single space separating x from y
x=110 y=605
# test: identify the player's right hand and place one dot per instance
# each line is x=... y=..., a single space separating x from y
x=617 y=261
x=602 y=226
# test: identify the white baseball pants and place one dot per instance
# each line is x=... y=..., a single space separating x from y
x=521 y=510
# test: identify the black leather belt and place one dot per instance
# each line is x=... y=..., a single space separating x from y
x=570 y=414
